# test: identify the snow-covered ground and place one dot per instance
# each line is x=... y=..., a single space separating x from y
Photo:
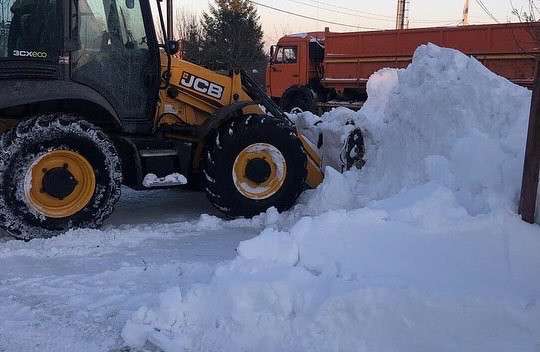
x=76 y=292
x=421 y=250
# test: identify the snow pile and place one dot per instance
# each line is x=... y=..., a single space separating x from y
x=446 y=118
x=419 y=251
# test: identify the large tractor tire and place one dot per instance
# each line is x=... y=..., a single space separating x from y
x=296 y=97
x=56 y=173
x=253 y=164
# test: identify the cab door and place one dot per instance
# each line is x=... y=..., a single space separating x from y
x=118 y=57
x=284 y=70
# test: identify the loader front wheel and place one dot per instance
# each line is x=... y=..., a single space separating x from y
x=56 y=172
x=254 y=164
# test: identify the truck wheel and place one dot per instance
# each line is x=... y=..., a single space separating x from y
x=56 y=173
x=254 y=164
x=296 y=97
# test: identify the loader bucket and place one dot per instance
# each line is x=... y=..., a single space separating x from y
x=315 y=175
x=352 y=156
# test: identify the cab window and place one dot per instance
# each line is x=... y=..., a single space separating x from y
x=107 y=25
x=286 y=55
x=29 y=29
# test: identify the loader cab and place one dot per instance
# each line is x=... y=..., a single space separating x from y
x=102 y=50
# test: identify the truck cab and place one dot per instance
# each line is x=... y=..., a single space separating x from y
x=296 y=61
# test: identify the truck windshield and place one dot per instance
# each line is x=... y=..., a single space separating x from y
x=286 y=55
x=29 y=29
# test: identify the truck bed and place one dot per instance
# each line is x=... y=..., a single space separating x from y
x=507 y=49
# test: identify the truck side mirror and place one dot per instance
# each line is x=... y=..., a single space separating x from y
x=130 y=4
x=272 y=52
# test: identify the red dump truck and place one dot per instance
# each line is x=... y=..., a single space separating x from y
x=325 y=69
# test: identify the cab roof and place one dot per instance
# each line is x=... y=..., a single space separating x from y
x=296 y=37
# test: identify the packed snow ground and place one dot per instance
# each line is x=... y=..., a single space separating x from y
x=419 y=251
x=76 y=292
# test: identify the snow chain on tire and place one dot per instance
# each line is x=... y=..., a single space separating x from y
x=236 y=145
x=25 y=146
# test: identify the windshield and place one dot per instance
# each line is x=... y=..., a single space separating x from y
x=286 y=55
x=109 y=23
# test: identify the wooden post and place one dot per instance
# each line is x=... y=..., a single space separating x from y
x=400 y=17
x=531 y=169
x=465 y=20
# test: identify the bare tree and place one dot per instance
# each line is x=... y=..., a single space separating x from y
x=527 y=13
x=530 y=13
x=185 y=21
x=190 y=33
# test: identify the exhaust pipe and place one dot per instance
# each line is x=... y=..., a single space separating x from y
x=170 y=20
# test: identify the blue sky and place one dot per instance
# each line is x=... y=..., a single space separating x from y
x=370 y=13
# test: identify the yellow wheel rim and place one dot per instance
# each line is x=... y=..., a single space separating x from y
x=65 y=169
x=275 y=171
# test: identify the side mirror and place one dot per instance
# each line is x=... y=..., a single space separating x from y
x=272 y=52
x=172 y=47
x=130 y=4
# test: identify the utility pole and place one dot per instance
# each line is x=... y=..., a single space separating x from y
x=402 y=20
x=531 y=169
x=465 y=20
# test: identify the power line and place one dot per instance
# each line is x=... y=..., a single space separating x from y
x=389 y=19
x=360 y=11
x=356 y=12
x=311 y=18
x=339 y=12
x=486 y=10
x=440 y=21
x=369 y=17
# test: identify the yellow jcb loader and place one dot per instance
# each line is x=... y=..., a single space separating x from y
x=89 y=99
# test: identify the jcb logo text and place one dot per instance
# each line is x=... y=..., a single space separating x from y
x=201 y=85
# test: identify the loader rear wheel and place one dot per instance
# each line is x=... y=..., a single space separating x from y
x=56 y=172
x=254 y=163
